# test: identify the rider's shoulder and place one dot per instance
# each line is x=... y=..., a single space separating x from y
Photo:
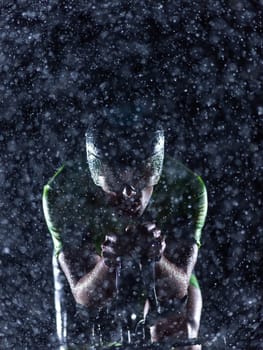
x=70 y=175
x=177 y=174
x=174 y=170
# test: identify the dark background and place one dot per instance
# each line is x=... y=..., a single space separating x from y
x=200 y=63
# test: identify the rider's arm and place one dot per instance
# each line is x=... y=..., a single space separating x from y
x=89 y=278
x=174 y=269
x=178 y=260
x=177 y=263
x=95 y=285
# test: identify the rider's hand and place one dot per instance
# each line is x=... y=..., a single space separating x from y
x=148 y=243
x=110 y=251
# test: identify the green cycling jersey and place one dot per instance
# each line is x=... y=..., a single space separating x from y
x=77 y=212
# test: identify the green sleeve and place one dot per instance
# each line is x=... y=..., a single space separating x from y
x=194 y=202
x=200 y=208
x=52 y=220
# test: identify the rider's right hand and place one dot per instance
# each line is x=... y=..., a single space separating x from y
x=110 y=250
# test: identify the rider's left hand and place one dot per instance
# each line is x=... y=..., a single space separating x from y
x=148 y=242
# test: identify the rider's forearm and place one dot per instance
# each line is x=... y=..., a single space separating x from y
x=95 y=287
x=171 y=281
x=173 y=278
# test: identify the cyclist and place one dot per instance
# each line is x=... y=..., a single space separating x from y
x=128 y=200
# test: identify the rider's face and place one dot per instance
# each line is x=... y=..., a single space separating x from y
x=130 y=190
x=128 y=181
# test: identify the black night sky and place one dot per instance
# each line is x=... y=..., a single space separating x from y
x=200 y=63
